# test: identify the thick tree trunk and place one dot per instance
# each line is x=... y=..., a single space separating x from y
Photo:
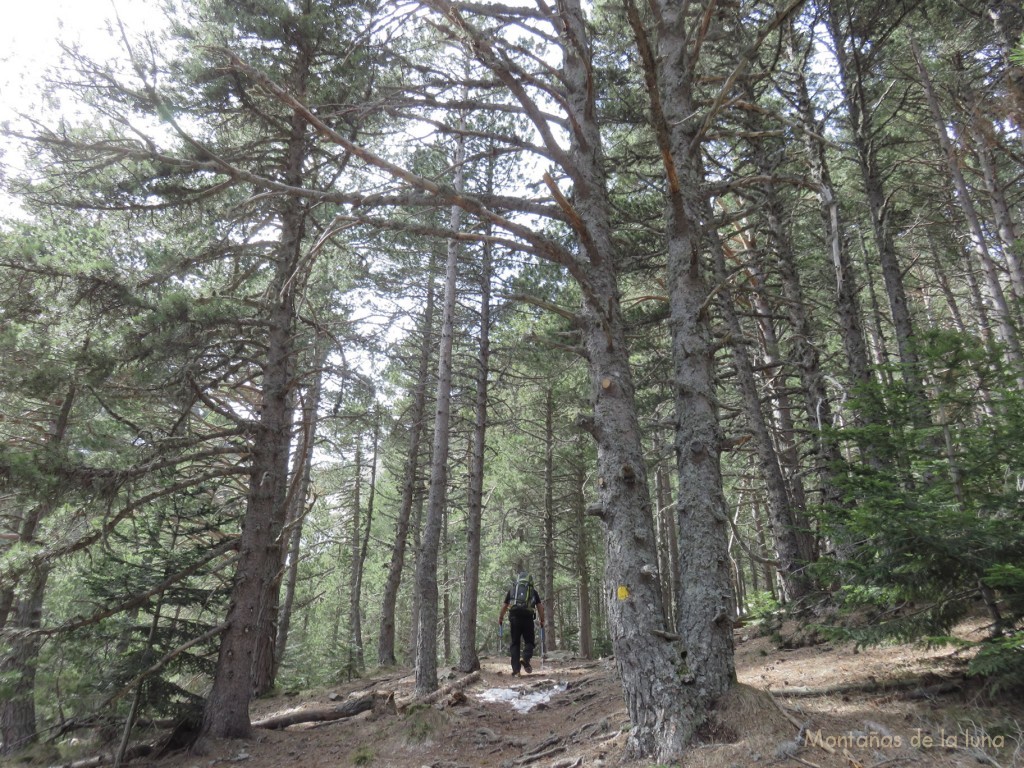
x=254 y=603
x=18 y=710
x=20 y=657
x=659 y=693
x=246 y=660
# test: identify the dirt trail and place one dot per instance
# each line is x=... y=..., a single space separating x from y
x=890 y=706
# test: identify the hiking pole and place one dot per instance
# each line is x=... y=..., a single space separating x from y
x=501 y=636
x=543 y=648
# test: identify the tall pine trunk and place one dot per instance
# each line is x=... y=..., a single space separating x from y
x=706 y=605
x=661 y=698
x=426 y=562
x=855 y=54
x=417 y=425
x=551 y=633
x=997 y=298
x=245 y=663
x=468 y=658
x=298 y=494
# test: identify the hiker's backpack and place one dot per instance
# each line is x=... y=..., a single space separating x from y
x=521 y=593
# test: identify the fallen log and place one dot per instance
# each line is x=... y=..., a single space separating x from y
x=440 y=693
x=870 y=686
x=140 y=750
x=378 y=701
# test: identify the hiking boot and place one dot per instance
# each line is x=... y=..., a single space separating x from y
x=515 y=674
x=527 y=668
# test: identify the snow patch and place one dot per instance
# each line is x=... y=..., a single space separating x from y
x=521 y=699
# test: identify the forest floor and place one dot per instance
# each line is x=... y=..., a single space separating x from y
x=895 y=705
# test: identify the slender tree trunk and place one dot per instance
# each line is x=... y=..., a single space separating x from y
x=865 y=139
x=551 y=633
x=982 y=132
x=417 y=535
x=426 y=564
x=665 y=518
x=765 y=549
x=417 y=412
x=978 y=306
x=364 y=547
x=792 y=555
x=735 y=561
x=446 y=592
x=468 y=659
x=355 y=627
x=1007 y=332
x=297 y=501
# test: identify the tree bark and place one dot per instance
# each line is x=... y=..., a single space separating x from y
x=246 y=659
x=668 y=549
x=659 y=698
x=704 y=668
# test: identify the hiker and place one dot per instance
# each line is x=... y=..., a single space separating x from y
x=520 y=602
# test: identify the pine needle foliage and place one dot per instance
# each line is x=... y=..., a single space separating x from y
x=933 y=528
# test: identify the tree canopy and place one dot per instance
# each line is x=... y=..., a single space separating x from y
x=321 y=318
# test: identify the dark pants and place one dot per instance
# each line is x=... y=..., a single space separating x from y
x=520 y=626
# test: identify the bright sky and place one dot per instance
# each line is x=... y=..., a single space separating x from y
x=31 y=29
x=29 y=45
